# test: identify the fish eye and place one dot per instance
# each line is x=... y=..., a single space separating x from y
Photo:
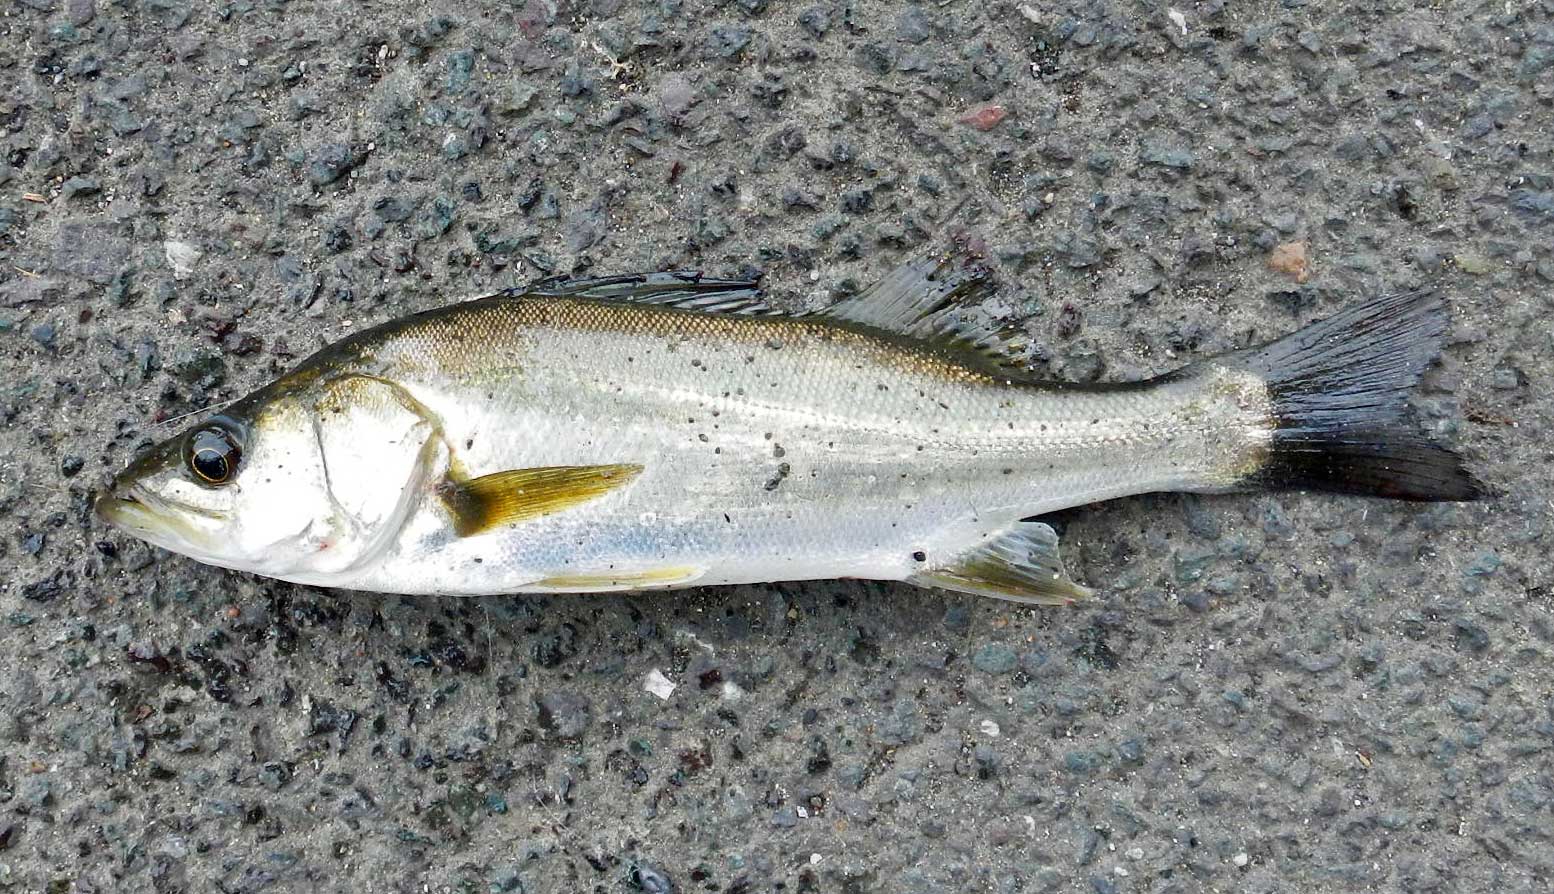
x=214 y=454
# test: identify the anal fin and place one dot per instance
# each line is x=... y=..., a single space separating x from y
x=1019 y=565
x=502 y=498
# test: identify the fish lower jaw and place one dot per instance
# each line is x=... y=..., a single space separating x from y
x=143 y=522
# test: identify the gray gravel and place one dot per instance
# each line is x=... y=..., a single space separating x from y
x=1271 y=693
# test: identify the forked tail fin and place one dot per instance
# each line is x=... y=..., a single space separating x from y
x=1339 y=390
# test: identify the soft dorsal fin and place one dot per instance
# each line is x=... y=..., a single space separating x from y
x=675 y=288
x=1020 y=564
x=910 y=297
x=932 y=298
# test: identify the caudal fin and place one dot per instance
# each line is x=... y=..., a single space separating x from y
x=1340 y=390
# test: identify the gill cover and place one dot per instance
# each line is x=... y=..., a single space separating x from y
x=377 y=445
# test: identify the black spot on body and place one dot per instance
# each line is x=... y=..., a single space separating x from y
x=776 y=480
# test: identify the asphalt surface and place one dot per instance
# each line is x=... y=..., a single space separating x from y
x=1270 y=693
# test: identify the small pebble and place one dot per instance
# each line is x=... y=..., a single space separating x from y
x=1289 y=258
x=984 y=117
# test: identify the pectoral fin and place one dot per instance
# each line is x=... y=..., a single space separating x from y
x=1020 y=565
x=502 y=498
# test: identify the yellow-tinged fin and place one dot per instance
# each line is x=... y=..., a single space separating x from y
x=1019 y=565
x=502 y=498
x=608 y=581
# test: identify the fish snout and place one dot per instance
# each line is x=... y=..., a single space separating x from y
x=115 y=501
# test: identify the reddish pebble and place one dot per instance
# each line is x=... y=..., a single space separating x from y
x=1290 y=258
x=985 y=117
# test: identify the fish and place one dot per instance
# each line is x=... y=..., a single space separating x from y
x=667 y=430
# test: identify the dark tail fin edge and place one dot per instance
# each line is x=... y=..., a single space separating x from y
x=1340 y=391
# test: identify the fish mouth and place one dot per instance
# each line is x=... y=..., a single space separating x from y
x=175 y=526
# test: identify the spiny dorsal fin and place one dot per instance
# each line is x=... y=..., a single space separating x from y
x=502 y=498
x=676 y=288
x=930 y=298
x=1021 y=564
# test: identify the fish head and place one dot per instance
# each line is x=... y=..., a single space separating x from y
x=239 y=490
x=304 y=483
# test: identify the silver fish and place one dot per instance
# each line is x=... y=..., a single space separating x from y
x=664 y=431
